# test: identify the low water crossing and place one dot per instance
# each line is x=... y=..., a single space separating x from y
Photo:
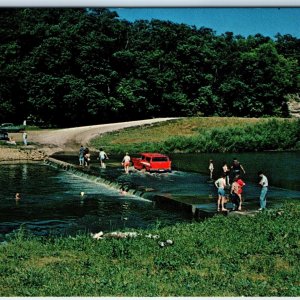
x=51 y=201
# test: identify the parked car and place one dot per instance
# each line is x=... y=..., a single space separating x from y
x=152 y=162
x=10 y=127
x=3 y=135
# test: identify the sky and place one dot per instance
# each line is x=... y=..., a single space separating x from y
x=244 y=21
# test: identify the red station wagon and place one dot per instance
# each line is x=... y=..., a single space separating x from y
x=154 y=162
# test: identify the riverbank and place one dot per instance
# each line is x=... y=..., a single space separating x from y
x=221 y=256
x=205 y=135
x=20 y=153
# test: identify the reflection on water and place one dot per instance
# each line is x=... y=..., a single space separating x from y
x=24 y=171
x=52 y=203
x=281 y=168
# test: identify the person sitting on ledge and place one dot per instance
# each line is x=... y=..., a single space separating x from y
x=11 y=141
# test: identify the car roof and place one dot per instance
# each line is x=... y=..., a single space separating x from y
x=153 y=154
x=7 y=124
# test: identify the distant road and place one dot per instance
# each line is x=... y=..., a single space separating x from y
x=70 y=139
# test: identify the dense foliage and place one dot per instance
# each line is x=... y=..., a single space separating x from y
x=222 y=256
x=68 y=67
x=222 y=135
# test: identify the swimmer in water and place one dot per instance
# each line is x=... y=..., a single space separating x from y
x=123 y=191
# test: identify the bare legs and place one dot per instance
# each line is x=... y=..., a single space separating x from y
x=221 y=202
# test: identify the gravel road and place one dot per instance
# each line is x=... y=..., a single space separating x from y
x=70 y=139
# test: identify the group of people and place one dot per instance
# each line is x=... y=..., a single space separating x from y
x=85 y=157
x=11 y=140
x=236 y=190
x=231 y=181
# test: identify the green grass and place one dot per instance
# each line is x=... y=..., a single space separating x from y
x=222 y=256
x=212 y=134
x=158 y=132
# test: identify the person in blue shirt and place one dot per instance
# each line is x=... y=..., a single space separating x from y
x=81 y=155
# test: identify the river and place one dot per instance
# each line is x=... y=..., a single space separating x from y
x=56 y=202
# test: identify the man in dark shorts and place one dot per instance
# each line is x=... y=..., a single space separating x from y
x=234 y=196
x=236 y=169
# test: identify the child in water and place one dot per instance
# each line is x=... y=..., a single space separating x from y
x=211 y=169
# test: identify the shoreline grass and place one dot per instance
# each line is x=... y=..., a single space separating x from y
x=158 y=132
x=214 y=134
x=221 y=256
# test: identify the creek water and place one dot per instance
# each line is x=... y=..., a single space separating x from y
x=51 y=201
x=281 y=168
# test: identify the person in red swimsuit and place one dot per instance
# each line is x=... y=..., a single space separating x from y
x=241 y=184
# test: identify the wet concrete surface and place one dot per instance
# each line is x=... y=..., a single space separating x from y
x=190 y=191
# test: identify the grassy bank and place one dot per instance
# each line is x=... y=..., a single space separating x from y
x=222 y=256
x=213 y=134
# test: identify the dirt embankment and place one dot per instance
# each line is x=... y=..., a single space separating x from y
x=47 y=142
x=20 y=153
x=294 y=108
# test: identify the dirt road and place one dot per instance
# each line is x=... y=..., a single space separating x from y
x=70 y=139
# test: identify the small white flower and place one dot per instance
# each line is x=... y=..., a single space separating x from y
x=98 y=235
x=161 y=244
x=132 y=234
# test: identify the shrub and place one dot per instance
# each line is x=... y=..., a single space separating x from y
x=270 y=135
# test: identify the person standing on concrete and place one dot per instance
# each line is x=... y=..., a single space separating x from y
x=24 y=135
x=220 y=185
x=226 y=170
x=81 y=156
x=264 y=190
x=211 y=169
x=241 y=184
x=102 y=157
x=87 y=157
x=236 y=168
x=235 y=199
x=126 y=162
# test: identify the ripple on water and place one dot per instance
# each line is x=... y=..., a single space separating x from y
x=51 y=203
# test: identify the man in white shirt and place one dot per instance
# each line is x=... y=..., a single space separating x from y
x=102 y=157
x=264 y=189
x=126 y=162
x=24 y=138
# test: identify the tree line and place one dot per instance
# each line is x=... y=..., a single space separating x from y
x=66 y=67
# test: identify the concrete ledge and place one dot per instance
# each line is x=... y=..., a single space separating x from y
x=192 y=205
